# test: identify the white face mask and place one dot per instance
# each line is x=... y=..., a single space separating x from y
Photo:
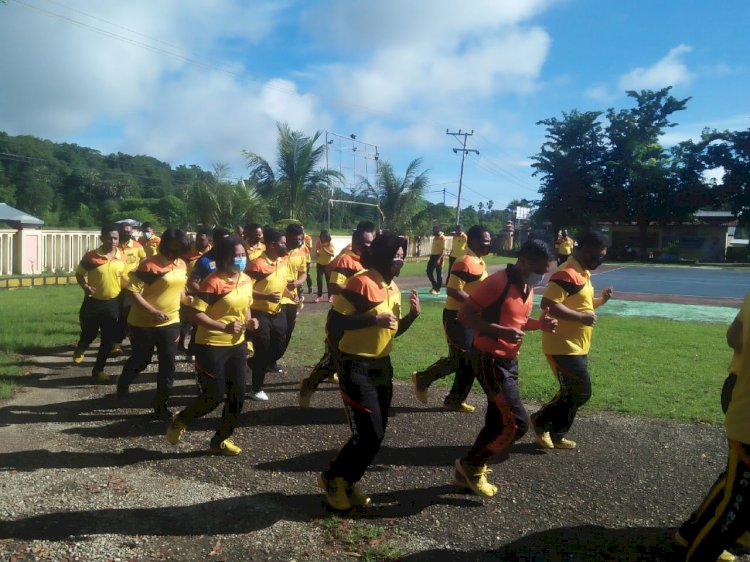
x=533 y=279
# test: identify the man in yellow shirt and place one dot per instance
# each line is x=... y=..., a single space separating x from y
x=149 y=240
x=324 y=255
x=296 y=261
x=435 y=263
x=307 y=248
x=725 y=513
x=563 y=246
x=458 y=249
x=270 y=275
x=254 y=241
x=100 y=275
x=570 y=299
x=134 y=254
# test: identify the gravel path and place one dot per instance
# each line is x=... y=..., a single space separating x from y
x=85 y=479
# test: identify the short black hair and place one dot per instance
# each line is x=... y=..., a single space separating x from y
x=218 y=233
x=174 y=234
x=224 y=251
x=294 y=229
x=253 y=226
x=379 y=256
x=271 y=235
x=324 y=234
x=362 y=227
x=204 y=230
x=146 y=225
x=107 y=228
x=592 y=240
x=535 y=249
x=476 y=232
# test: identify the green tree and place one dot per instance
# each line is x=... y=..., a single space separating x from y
x=397 y=196
x=637 y=179
x=570 y=166
x=730 y=152
x=297 y=176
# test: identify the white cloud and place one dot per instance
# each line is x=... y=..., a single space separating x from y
x=668 y=71
x=600 y=94
x=688 y=131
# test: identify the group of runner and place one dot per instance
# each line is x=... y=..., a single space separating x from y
x=240 y=293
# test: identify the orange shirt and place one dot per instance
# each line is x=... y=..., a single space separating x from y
x=342 y=268
x=268 y=277
x=511 y=312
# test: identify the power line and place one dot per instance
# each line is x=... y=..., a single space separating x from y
x=464 y=151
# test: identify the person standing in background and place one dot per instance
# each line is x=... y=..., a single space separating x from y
x=458 y=249
x=133 y=254
x=308 y=259
x=563 y=246
x=324 y=255
x=435 y=263
x=149 y=240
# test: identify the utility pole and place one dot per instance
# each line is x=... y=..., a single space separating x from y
x=463 y=151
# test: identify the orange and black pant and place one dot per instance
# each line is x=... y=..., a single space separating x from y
x=557 y=415
x=142 y=342
x=458 y=360
x=506 y=419
x=221 y=373
x=328 y=364
x=725 y=513
x=98 y=316
x=367 y=390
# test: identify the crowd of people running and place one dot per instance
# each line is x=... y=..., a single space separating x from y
x=234 y=297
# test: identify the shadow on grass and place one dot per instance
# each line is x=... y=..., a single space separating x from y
x=588 y=543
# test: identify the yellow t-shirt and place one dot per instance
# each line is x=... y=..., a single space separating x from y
x=224 y=300
x=570 y=285
x=368 y=293
x=458 y=249
x=103 y=273
x=296 y=262
x=161 y=283
x=254 y=252
x=564 y=246
x=151 y=245
x=738 y=415
x=268 y=277
x=325 y=253
x=134 y=254
x=343 y=266
x=308 y=248
x=467 y=272
x=438 y=245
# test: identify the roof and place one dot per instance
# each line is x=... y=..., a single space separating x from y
x=17 y=217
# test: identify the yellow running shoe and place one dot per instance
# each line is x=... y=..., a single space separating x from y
x=474 y=478
x=543 y=439
x=357 y=497
x=725 y=556
x=459 y=407
x=116 y=350
x=226 y=448
x=335 y=492
x=175 y=431
x=564 y=443
x=100 y=377
x=77 y=356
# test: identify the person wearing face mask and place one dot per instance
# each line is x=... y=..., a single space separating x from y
x=465 y=275
x=370 y=323
x=157 y=288
x=498 y=311
x=221 y=309
x=270 y=275
x=569 y=296
x=297 y=264
x=149 y=240
x=200 y=247
x=340 y=270
x=133 y=254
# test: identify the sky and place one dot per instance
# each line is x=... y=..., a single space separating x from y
x=199 y=81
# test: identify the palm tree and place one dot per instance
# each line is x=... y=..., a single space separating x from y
x=297 y=176
x=397 y=196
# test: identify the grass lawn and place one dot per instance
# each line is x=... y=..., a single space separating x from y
x=644 y=366
x=418 y=266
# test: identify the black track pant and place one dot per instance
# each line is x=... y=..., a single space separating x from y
x=268 y=340
x=98 y=316
x=434 y=267
x=557 y=415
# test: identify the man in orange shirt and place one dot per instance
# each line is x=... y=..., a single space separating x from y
x=499 y=312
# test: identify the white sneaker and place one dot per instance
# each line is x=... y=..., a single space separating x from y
x=259 y=396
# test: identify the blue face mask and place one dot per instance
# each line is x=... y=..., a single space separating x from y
x=533 y=279
x=148 y=235
x=240 y=263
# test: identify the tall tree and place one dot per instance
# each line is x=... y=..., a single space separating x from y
x=730 y=152
x=297 y=173
x=570 y=165
x=398 y=196
x=637 y=176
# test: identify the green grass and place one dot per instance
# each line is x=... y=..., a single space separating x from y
x=369 y=542
x=418 y=266
x=643 y=366
x=35 y=319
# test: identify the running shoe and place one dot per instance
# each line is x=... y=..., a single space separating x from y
x=543 y=439
x=564 y=443
x=77 y=356
x=100 y=377
x=116 y=350
x=420 y=390
x=335 y=492
x=259 y=396
x=357 y=497
x=226 y=448
x=458 y=407
x=318 y=299
x=175 y=431
x=474 y=478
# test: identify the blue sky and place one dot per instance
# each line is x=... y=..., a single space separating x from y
x=196 y=82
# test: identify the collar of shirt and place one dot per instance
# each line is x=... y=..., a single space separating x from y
x=579 y=268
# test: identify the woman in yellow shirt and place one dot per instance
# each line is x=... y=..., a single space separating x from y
x=324 y=255
x=157 y=286
x=221 y=309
